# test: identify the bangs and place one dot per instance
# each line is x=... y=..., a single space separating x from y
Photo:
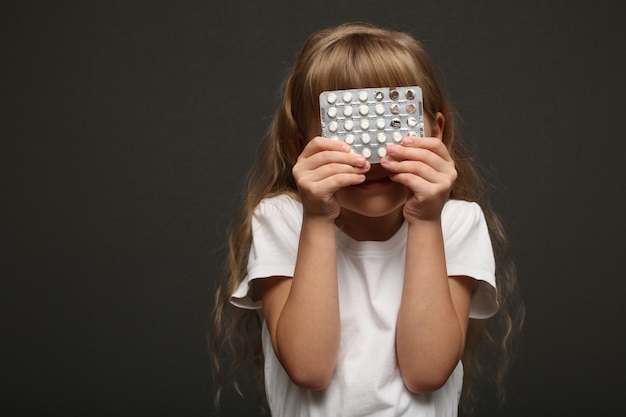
x=361 y=61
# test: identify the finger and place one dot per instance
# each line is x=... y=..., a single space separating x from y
x=338 y=181
x=433 y=144
x=319 y=144
x=329 y=185
x=328 y=170
x=415 y=160
x=425 y=185
x=320 y=151
x=333 y=157
x=327 y=164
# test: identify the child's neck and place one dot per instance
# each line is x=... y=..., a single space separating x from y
x=362 y=228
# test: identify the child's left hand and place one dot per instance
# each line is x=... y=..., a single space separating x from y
x=424 y=166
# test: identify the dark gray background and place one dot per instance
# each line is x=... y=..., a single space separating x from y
x=126 y=130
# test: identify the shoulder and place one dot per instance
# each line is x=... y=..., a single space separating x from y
x=469 y=252
x=281 y=208
x=279 y=202
x=462 y=214
x=466 y=235
x=455 y=209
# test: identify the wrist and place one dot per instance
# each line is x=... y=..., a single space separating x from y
x=317 y=221
x=415 y=223
x=320 y=215
x=422 y=215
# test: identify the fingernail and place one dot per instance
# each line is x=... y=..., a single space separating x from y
x=408 y=140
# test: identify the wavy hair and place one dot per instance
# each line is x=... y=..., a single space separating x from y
x=349 y=56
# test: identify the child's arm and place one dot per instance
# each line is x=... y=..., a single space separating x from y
x=434 y=310
x=302 y=313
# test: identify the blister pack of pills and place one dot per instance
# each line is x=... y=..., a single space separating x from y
x=368 y=119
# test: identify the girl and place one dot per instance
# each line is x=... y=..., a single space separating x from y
x=366 y=286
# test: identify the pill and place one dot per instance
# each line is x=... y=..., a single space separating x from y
x=367 y=119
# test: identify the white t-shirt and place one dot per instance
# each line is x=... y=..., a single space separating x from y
x=366 y=381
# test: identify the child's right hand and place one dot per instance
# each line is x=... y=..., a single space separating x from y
x=324 y=167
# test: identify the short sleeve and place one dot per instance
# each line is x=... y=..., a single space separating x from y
x=276 y=225
x=469 y=252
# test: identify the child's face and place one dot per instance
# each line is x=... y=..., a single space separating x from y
x=378 y=196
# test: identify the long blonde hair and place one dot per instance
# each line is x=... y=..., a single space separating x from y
x=358 y=56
